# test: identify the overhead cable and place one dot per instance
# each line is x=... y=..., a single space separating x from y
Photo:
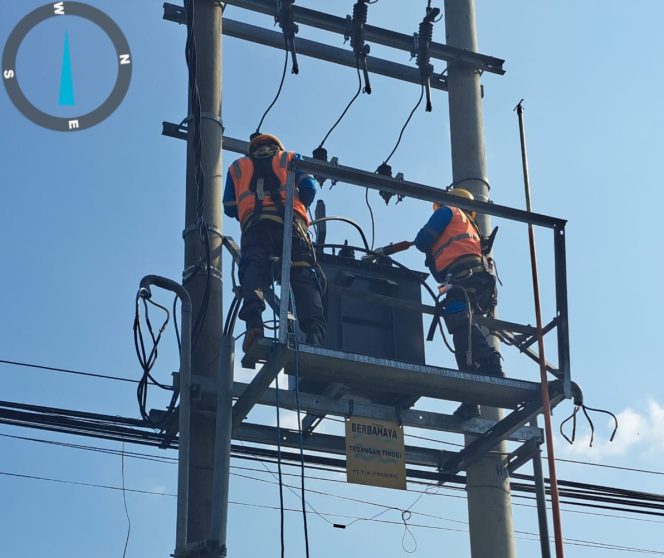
x=281 y=84
x=571 y=542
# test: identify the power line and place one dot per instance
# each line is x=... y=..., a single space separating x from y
x=68 y=371
x=98 y=426
x=173 y=461
x=414 y=436
x=571 y=542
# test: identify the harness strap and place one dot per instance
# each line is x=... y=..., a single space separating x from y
x=461 y=236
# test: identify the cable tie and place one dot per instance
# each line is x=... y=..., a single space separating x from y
x=196 y=228
x=207 y=116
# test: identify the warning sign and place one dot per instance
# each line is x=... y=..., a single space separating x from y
x=375 y=453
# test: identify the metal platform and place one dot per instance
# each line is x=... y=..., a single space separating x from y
x=365 y=374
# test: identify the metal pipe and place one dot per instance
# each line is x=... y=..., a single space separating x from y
x=185 y=401
x=546 y=404
x=222 y=444
x=540 y=494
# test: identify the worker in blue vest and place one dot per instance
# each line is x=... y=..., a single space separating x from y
x=452 y=243
x=255 y=194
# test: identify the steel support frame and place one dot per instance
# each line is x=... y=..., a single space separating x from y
x=429 y=193
x=407 y=417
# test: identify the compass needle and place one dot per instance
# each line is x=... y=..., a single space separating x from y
x=66 y=81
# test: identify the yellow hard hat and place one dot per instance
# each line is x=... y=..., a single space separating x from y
x=460 y=192
x=258 y=139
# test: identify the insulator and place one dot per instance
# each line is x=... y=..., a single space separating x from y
x=360 y=11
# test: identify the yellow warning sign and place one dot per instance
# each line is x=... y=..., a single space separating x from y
x=375 y=453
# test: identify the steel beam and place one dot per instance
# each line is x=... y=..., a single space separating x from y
x=491 y=438
x=408 y=417
x=401 y=41
x=375 y=181
x=327 y=443
x=265 y=376
x=367 y=374
x=561 y=307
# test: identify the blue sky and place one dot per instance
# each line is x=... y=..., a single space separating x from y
x=84 y=216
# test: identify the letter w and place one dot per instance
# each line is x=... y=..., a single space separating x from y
x=59 y=8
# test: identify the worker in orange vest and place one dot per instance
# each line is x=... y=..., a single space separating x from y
x=255 y=194
x=452 y=242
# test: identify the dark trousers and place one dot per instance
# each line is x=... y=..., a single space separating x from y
x=480 y=290
x=261 y=243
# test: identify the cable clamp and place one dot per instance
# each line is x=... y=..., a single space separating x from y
x=195 y=228
x=200 y=269
x=207 y=116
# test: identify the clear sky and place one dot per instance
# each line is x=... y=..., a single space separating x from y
x=83 y=216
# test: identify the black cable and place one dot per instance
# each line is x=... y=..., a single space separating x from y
x=350 y=222
x=357 y=94
x=277 y=406
x=199 y=178
x=572 y=417
x=373 y=224
x=68 y=371
x=175 y=323
x=403 y=128
x=262 y=461
x=615 y=428
x=147 y=361
x=299 y=427
x=571 y=542
x=281 y=84
x=124 y=500
x=392 y=261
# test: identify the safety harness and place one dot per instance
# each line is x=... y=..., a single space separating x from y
x=465 y=267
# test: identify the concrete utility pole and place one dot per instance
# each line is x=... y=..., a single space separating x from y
x=489 y=499
x=205 y=354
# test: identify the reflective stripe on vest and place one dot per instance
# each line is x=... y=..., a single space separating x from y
x=242 y=172
x=459 y=239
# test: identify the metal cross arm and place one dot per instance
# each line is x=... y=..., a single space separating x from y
x=374 y=181
x=400 y=41
x=313 y=49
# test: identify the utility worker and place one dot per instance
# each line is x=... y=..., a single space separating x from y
x=255 y=194
x=453 y=245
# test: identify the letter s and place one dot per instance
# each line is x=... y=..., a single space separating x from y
x=8 y=74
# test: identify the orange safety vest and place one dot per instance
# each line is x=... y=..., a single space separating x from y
x=242 y=172
x=460 y=238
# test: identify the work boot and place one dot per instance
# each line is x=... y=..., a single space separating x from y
x=467 y=411
x=252 y=335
